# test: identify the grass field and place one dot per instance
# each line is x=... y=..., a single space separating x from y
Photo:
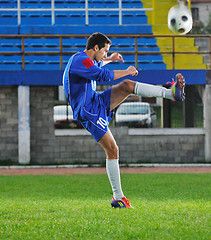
x=167 y=206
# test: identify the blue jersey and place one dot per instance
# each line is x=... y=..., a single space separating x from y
x=79 y=80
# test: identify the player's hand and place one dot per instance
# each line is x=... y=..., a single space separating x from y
x=132 y=71
x=116 y=57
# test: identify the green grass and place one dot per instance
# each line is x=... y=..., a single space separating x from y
x=167 y=206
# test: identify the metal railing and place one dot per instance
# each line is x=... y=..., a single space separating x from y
x=60 y=52
x=86 y=9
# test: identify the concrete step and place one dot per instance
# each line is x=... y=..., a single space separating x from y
x=183 y=61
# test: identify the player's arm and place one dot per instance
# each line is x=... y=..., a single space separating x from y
x=87 y=70
x=114 y=57
x=122 y=73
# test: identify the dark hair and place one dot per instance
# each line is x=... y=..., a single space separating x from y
x=97 y=39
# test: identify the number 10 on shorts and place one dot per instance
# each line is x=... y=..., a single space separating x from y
x=102 y=122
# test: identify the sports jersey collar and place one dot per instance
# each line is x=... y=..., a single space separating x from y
x=94 y=61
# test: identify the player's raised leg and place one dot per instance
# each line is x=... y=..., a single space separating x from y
x=122 y=90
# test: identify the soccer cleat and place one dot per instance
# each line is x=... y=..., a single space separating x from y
x=178 y=88
x=123 y=203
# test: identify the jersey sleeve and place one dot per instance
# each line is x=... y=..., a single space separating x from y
x=85 y=68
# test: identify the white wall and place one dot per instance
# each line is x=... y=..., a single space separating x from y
x=204 y=10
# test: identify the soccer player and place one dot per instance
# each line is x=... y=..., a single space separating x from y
x=94 y=110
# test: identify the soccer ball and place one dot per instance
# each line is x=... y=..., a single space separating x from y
x=180 y=19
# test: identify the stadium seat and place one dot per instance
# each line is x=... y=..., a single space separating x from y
x=148 y=66
x=70 y=18
x=73 y=44
x=119 y=66
x=10 y=62
x=42 y=62
x=126 y=42
x=150 y=58
x=8 y=18
x=36 y=18
x=147 y=42
x=35 y=3
x=134 y=18
x=69 y=4
x=10 y=44
x=103 y=4
x=148 y=49
x=132 y=3
x=103 y=18
x=8 y=4
x=37 y=44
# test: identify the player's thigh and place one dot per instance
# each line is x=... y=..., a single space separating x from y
x=121 y=91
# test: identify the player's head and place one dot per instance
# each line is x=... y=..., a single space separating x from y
x=97 y=39
x=99 y=45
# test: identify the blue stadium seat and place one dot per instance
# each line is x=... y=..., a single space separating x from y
x=52 y=43
x=74 y=44
x=8 y=4
x=149 y=49
x=70 y=18
x=132 y=3
x=36 y=18
x=119 y=66
x=134 y=18
x=150 y=58
x=36 y=44
x=8 y=18
x=10 y=62
x=130 y=59
x=10 y=44
x=103 y=18
x=69 y=4
x=149 y=66
x=147 y=42
x=103 y=4
x=35 y=3
x=42 y=62
x=123 y=44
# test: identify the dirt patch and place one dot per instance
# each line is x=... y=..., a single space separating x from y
x=69 y=171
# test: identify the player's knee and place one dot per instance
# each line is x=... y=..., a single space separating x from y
x=113 y=152
x=128 y=86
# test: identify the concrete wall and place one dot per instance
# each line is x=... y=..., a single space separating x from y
x=204 y=46
x=8 y=123
x=204 y=10
x=136 y=146
x=56 y=147
x=42 y=126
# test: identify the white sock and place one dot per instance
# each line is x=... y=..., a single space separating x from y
x=112 y=168
x=148 y=90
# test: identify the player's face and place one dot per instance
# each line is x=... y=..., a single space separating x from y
x=102 y=53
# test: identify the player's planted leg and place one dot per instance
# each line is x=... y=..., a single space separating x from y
x=110 y=147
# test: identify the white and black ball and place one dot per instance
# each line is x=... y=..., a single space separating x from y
x=180 y=20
